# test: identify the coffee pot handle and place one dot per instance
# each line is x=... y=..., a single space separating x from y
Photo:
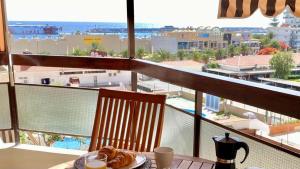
x=246 y=147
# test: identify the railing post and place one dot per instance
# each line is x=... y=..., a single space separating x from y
x=131 y=40
x=197 y=123
x=11 y=86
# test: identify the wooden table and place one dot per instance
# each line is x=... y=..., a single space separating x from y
x=182 y=162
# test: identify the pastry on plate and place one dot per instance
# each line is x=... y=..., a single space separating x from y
x=123 y=158
x=110 y=151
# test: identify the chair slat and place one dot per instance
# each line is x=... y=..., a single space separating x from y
x=124 y=125
x=107 y=126
x=159 y=125
x=140 y=126
x=134 y=124
x=102 y=122
x=129 y=124
x=152 y=127
x=95 y=132
x=120 y=116
x=113 y=122
x=145 y=133
x=3 y=136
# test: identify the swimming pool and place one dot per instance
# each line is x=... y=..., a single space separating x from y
x=72 y=143
x=184 y=104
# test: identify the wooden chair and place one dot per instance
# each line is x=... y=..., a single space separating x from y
x=128 y=120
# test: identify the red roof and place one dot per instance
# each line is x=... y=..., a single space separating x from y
x=252 y=60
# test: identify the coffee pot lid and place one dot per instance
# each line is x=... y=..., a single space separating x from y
x=226 y=139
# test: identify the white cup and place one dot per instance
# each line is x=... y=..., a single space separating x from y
x=163 y=157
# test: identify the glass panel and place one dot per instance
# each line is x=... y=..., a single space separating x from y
x=87 y=28
x=260 y=155
x=178 y=131
x=5 y=121
x=57 y=110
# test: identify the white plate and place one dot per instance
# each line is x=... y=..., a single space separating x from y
x=139 y=160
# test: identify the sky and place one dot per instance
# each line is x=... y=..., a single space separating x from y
x=180 y=13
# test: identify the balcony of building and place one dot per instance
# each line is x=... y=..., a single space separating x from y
x=29 y=112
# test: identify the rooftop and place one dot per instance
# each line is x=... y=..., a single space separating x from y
x=252 y=60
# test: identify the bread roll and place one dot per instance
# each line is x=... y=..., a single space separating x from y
x=110 y=151
x=122 y=159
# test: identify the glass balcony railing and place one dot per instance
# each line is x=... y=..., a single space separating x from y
x=5 y=121
x=70 y=111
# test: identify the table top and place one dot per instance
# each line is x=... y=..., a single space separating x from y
x=180 y=161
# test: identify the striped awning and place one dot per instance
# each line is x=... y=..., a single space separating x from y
x=245 y=8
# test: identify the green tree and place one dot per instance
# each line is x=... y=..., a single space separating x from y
x=124 y=53
x=49 y=139
x=274 y=22
x=79 y=52
x=231 y=50
x=275 y=44
x=155 y=57
x=140 y=53
x=205 y=58
x=257 y=36
x=165 y=55
x=182 y=55
x=237 y=50
x=220 y=54
x=207 y=55
x=282 y=63
x=97 y=46
x=270 y=35
x=196 y=56
x=111 y=53
x=244 y=49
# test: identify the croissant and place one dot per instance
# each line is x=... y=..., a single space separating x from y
x=123 y=158
x=110 y=151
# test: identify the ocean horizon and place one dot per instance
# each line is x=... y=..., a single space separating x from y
x=67 y=27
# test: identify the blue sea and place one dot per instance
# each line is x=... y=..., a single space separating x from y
x=83 y=27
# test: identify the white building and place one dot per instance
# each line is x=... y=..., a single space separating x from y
x=164 y=43
x=283 y=34
x=290 y=19
x=91 y=78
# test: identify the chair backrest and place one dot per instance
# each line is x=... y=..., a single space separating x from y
x=7 y=136
x=128 y=120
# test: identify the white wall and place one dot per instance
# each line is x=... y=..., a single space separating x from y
x=34 y=77
x=163 y=42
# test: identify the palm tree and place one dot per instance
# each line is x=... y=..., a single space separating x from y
x=231 y=50
x=124 y=53
x=164 y=55
x=111 y=53
x=244 y=49
x=140 y=53
x=181 y=55
x=220 y=54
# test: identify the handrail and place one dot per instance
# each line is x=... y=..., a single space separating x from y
x=71 y=61
x=271 y=98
